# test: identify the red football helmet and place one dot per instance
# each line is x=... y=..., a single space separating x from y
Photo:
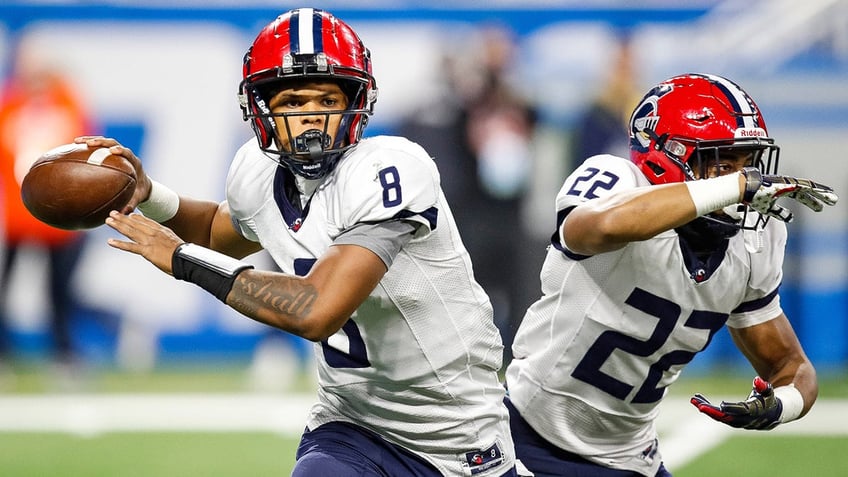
x=685 y=121
x=302 y=44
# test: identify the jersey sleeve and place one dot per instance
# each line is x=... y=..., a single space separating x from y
x=244 y=189
x=387 y=179
x=385 y=239
x=762 y=300
x=598 y=176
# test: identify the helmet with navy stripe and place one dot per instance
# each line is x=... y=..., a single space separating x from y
x=686 y=121
x=307 y=44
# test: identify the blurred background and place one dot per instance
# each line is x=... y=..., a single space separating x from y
x=506 y=97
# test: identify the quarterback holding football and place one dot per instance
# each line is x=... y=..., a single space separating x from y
x=373 y=268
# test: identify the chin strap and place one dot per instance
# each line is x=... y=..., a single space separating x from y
x=312 y=141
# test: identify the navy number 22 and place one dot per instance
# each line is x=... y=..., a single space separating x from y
x=599 y=180
x=667 y=314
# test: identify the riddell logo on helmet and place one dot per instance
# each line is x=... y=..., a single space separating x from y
x=750 y=132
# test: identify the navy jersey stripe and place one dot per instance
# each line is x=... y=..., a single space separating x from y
x=561 y=215
x=293 y=212
x=431 y=215
x=756 y=304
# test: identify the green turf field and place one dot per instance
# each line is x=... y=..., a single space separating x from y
x=769 y=456
x=146 y=455
x=228 y=453
x=257 y=455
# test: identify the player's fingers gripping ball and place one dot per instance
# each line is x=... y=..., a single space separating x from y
x=75 y=187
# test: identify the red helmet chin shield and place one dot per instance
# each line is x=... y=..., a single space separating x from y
x=310 y=45
x=685 y=122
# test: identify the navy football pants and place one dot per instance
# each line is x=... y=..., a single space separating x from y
x=547 y=460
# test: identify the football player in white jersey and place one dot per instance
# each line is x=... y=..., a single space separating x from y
x=651 y=257
x=373 y=269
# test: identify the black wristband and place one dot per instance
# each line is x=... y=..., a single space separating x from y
x=210 y=270
x=753 y=181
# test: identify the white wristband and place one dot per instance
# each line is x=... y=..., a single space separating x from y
x=713 y=194
x=793 y=402
x=162 y=203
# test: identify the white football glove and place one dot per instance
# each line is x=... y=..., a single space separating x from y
x=762 y=192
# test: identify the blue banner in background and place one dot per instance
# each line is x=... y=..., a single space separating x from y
x=163 y=81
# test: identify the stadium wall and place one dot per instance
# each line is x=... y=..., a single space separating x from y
x=163 y=80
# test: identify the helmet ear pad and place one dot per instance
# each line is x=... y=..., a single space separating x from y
x=263 y=124
x=352 y=126
x=658 y=166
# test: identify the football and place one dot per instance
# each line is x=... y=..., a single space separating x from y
x=73 y=187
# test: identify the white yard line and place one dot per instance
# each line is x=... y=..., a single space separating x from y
x=92 y=414
x=684 y=433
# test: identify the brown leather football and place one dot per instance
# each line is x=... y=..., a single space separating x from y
x=73 y=187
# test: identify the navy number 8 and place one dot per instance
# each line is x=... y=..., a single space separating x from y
x=390 y=180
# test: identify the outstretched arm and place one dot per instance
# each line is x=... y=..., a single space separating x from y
x=611 y=222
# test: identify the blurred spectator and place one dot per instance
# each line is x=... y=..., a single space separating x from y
x=38 y=111
x=480 y=131
x=602 y=127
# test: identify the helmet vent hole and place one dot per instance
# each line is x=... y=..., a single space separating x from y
x=656 y=168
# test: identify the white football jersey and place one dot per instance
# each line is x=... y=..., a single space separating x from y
x=417 y=363
x=594 y=355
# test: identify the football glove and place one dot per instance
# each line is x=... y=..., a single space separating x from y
x=761 y=411
x=762 y=192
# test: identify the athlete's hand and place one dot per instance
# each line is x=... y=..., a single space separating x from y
x=761 y=411
x=762 y=193
x=142 y=187
x=147 y=238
